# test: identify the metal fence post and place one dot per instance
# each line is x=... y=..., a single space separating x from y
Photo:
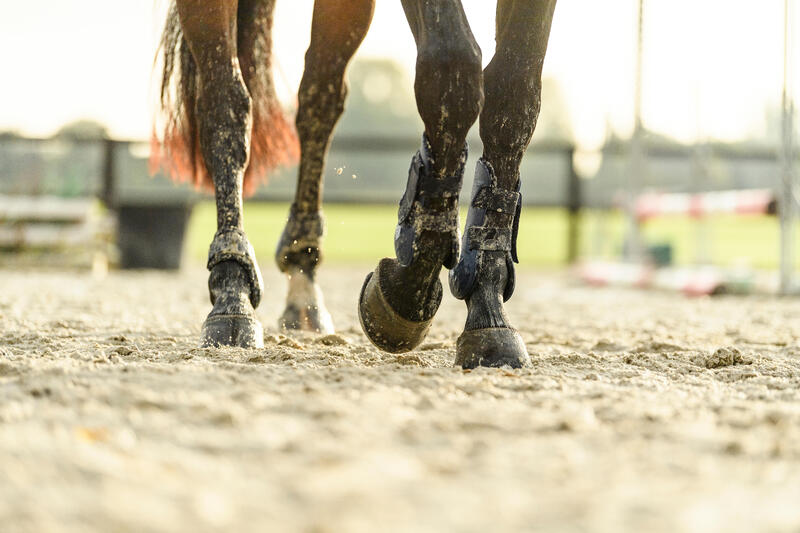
x=108 y=192
x=574 y=203
x=788 y=200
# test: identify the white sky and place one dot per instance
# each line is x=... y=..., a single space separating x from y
x=711 y=66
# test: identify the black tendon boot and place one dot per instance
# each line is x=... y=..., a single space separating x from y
x=235 y=289
x=398 y=300
x=484 y=275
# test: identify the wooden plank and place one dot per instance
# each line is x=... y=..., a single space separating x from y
x=47 y=235
x=45 y=209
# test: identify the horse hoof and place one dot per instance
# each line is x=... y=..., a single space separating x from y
x=383 y=326
x=232 y=330
x=310 y=318
x=492 y=347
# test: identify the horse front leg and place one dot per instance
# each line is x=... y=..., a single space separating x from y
x=224 y=118
x=484 y=276
x=337 y=31
x=399 y=299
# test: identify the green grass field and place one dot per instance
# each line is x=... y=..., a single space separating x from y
x=364 y=233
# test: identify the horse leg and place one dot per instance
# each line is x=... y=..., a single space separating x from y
x=398 y=300
x=484 y=276
x=336 y=33
x=224 y=119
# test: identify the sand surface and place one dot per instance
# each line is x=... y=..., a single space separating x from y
x=643 y=411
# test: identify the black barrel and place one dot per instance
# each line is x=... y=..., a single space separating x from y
x=151 y=236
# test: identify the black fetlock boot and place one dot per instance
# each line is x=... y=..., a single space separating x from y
x=484 y=275
x=400 y=298
x=235 y=288
x=298 y=255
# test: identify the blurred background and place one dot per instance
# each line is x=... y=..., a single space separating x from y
x=665 y=143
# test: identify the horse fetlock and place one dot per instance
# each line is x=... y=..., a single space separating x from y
x=488 y=338
x=232 y=320
x=485 y=301
x=298 y=254
x=230 y=245
x=300 y=245
x=229 y=289
x=235 y=288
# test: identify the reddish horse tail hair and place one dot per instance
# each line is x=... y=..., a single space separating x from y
x=175 y=145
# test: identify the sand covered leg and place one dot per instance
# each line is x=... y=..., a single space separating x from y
x=336 y=33
x=399 y=299
x=484 y=276
x=224 y=113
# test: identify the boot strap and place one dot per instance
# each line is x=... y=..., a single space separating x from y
x=300 y=225
x=490 y=238
x=428 y=204
x=496 y=199
x=483 y=236
x=232 y=245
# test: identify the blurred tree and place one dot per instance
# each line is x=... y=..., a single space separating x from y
x=7 y=135
x=381 y=101
x=82 y=130
x=77 y=172
x=554 y=123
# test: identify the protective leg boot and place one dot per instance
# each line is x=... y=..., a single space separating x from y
x=484 y=276
x=235 y=288
x=428 y=214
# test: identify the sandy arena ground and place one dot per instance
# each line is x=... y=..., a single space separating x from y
x=643 y=412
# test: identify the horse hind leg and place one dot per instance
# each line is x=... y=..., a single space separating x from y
x=337 y=31
x=224 y=119
x=484 y=276
x=399 y=299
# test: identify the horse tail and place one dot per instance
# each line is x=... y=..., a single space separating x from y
x=175 y=144
x=273 y=140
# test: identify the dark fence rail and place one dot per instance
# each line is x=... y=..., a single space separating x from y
x=373 y=170
x=360 y=169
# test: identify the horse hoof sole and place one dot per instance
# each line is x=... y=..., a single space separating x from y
x=383 y=326
x=232 y=330
x=492 y=347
